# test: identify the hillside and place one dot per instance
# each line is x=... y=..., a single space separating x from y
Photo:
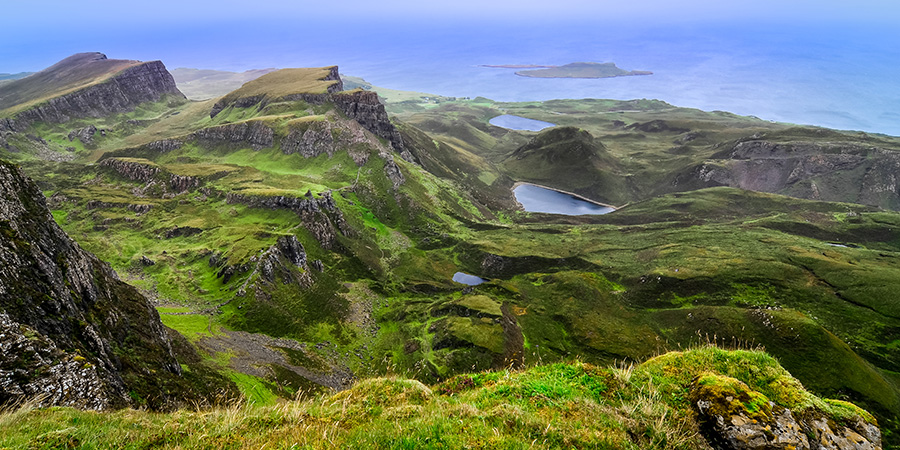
x=745 y=396
x=204 y=84
x=72 y=333
x=299 y=239
x=656 y=148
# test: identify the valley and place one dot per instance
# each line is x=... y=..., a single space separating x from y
x=300 y=237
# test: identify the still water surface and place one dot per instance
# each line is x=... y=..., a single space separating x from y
x=512 y=122
x=465 y=278
x=537 y=199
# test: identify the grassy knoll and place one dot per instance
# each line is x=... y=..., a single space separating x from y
x=564 y=405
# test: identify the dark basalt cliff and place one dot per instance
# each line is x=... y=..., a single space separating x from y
x=122 y=92
x=69 y=328
x=361 y=106
x=831 y=171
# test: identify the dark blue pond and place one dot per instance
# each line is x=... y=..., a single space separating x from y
x=465 y=278
x=537 y=199
x=519 y=123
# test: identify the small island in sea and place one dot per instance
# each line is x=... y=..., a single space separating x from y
x=581 y=70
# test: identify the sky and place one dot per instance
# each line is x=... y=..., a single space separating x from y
x=706 y=53
x=35 y=34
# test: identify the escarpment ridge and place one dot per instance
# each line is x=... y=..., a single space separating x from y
x=83 y=85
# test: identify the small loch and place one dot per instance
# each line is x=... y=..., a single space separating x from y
x=540 y=199
x=511 y=122
x=465 y=278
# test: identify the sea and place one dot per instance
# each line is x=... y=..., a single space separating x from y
x=836 y=75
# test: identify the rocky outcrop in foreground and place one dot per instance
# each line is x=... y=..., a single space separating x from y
x=71 y=332
x=734 y=417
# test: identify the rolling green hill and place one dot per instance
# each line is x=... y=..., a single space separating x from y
x=300 y=240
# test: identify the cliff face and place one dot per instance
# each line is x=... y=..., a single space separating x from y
x=70 y=328
x=849 y=172
x=361 y=106
x=122 y=92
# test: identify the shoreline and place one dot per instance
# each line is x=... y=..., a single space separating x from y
x=635 y=73
x=517 y=66
x=580 y=197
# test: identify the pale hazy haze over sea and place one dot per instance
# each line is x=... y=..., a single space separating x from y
x=825 y=63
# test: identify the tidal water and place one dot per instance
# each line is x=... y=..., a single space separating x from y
x=512 y=122
x=537 y=199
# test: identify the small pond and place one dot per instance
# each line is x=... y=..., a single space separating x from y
x=537 y=199
x=511 y=122
x=465 y=278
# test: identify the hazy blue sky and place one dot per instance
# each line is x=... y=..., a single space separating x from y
x=828 y=62
x=35 y=34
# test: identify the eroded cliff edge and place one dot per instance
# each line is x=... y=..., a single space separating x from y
x=71 y=332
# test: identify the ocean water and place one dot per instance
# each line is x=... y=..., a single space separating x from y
x=828 y=74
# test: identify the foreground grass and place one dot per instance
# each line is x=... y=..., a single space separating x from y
x=572 y=405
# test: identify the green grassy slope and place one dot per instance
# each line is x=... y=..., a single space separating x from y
x=573 y=405
x=73 y=73
x=665 y=273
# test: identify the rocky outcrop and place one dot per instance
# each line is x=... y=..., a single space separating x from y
x=831 y=171
x=143 y=171
x=165 y=145
x=122 y=92
x=361 y=106
x=734 y=417
x=327 y=137
x=255 y=133
x=392 y=171
x=146 y=171
x=365 y=108
x=92 y=339
x=33 y=366
x=320 y=216
x=85 y=135
x=283 y=259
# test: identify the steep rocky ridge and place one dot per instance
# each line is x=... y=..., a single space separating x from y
x=101 y=87
x=315 y=86
x=832 y=171
x=71 y=328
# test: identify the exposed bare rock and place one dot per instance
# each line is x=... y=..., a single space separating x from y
x=813 y=170
x=734 y=417
x=181 y=232
x=254 y=133
x=144 y=82
x=327 y=137
x=284 y=259
x=365 y=108
x=143 y=171
x=165 y=145
x=392 y=170
x=183 y=183
x=32 y=366
x=73 y=301
x=85 y=135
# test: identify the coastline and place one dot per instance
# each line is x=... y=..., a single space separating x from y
x=632 y=74
x=580 y=197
